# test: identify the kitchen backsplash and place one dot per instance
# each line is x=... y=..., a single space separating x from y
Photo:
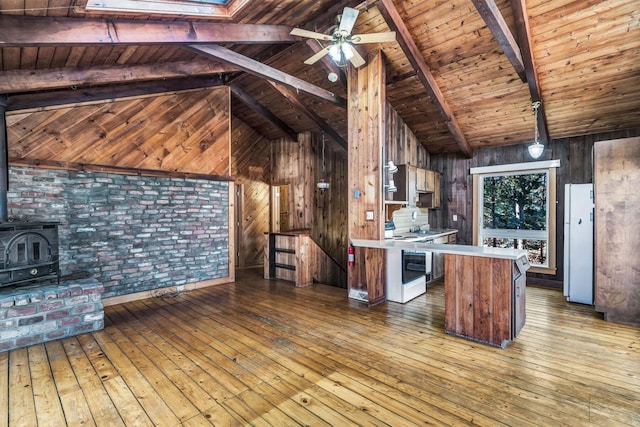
x=408 y=218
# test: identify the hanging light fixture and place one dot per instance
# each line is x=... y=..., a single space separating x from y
x=323 y=185
x=537 y=148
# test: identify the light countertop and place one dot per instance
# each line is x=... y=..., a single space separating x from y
x=441 y=248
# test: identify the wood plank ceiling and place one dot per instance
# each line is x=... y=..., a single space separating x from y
x=583 y=63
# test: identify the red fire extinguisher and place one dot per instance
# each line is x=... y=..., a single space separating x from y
x=352 y=255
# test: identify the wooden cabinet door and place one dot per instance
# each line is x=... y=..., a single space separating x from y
x=430 y=183
x=421 y=180
x=435 y=200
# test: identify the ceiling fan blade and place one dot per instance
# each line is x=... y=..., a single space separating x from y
x=389 y=36
x=356 y=59
x=310 y=34
x=348 y=19
x=315 y=58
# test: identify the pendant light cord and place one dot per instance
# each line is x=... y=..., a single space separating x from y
x=535 y=105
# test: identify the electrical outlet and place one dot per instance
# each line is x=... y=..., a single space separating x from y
x=369 y=216
x=455 y=218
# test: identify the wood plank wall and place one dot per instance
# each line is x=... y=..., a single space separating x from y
x=298 y=164
x=251 y=167
x=576 y=167
x=401 y=145
x=187 y=131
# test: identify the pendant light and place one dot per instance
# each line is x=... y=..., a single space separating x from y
x=537 y=148
x=323 y=185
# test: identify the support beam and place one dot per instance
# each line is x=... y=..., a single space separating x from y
x=4 y=160
x=71 y=97
x=20 y=31
x=524 y=40
x=59 y=78
x=264 y=71
x=395 y=23
x=501 y=32
x=252 y=103
x=297 y=102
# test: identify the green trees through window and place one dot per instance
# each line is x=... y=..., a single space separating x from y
x=514 y=213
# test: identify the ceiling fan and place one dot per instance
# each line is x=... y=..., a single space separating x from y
x=341 y=48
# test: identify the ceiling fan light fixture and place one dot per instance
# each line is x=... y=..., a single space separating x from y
x=347 y=51
x=335 y=53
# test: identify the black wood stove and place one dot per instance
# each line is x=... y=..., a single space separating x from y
x=28 y=251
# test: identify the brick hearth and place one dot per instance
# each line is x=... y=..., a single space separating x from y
x=39 y=313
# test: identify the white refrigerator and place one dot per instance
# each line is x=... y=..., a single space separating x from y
x=578 y=243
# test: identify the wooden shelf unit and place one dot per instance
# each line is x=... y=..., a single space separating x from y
x=295 y=256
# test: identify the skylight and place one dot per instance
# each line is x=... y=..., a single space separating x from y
x=201 y=8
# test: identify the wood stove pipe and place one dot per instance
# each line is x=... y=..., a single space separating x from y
x=4 y=160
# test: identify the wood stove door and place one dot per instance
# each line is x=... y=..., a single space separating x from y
x=28 y=249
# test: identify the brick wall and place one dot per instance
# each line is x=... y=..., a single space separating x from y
x=131 y=233
x=35 y=314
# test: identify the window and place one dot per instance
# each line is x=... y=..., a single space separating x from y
x=514 y=207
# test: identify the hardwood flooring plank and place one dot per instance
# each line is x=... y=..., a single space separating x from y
x=248 y=363
x=242 y=335
x=155 y=407
x=369 y=356
x=172 y=395
x=122 y=397
x=74 y=403
x=305 y=372
x=4 y=388
x=131 y=328
x=263 y=352
x=197 y=421
x=21 y=401
x=103 y=410
x=129 y=408
x=47 y=403
x=475 y=382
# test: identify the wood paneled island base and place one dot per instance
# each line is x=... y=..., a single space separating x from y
x=484 y=298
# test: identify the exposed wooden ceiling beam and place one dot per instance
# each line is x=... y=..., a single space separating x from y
x=501 y=32
x=395 y=23
x=58 y=78
x=252 y=103
x=19 y=31
x=524 y=40
x=70 y=97
x=259 y=69
x=298 y=103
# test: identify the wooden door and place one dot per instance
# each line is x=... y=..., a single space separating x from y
x=280 y=208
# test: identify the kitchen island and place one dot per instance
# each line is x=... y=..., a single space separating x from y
x=484 y=288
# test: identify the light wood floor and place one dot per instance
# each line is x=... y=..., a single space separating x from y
x=265 y=353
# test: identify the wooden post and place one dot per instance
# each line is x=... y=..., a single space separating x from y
x=366 y=118
x=4 y=160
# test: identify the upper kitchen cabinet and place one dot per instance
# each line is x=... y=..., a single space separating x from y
x=431 y=199
x=405 y=182
x=425 y=180
x=415 y=187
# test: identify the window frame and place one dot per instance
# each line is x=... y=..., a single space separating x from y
x=514 y=169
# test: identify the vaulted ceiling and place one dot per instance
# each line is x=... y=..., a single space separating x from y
x=462 y=73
